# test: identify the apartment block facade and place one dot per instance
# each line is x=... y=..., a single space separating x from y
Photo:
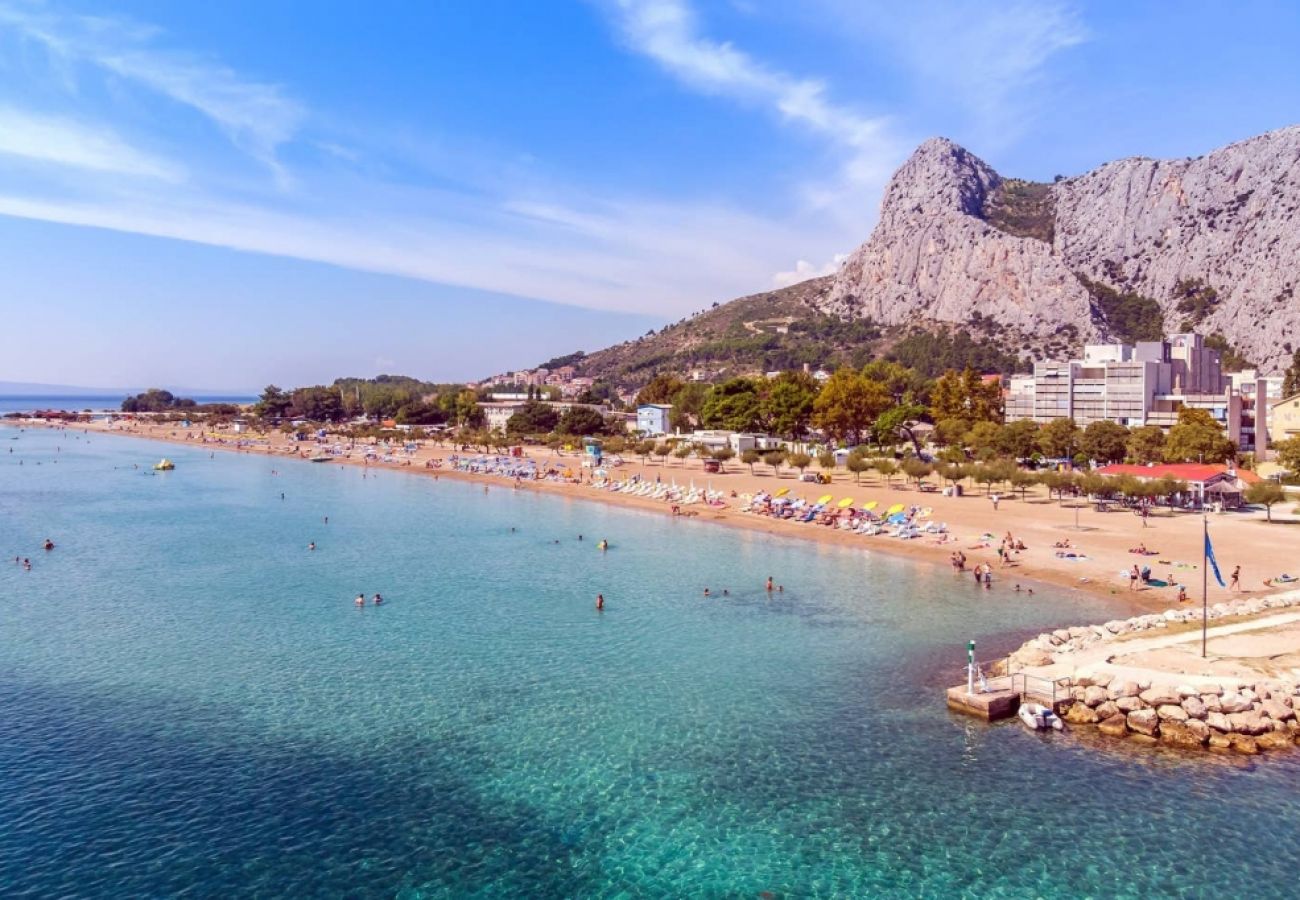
x=1145 y=384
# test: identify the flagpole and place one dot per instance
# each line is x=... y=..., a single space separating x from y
x=1205 y=578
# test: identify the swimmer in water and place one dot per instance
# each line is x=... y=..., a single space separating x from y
x=706 y=592
x=603 y=545
x=311 y=546
x=361 y=600
x=49 y=544
x=600 y=601
x=769 y=583
x=378 y=600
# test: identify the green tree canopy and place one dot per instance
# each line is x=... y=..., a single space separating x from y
x=581 y=421
x=848 y=403
x=1146 y=444
x=966 y=395
x=1059 y=438
x=787 y=404
x=534 y=417
x=1198 y=438
x=1265 y=494
x=733 y=405
x=660 y=389
x=1104 y=441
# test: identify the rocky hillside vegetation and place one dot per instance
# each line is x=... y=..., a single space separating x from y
x=1131 y=250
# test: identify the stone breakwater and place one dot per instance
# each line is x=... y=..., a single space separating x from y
x=1233 y=714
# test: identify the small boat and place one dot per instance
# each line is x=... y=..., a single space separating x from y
x=164 y=465
x=320 y=458
x=1040 y=718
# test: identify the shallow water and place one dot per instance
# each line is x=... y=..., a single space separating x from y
x=190 y=705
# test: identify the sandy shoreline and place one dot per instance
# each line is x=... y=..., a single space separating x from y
x=1263 y=550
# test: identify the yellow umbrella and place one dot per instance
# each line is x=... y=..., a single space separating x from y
x=896 y=508
x=825 y=498
x=782 y=492
x=870 y=505
x=845 y=503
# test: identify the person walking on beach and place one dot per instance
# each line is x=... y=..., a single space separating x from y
x=1133 y=577
x=1236 y=580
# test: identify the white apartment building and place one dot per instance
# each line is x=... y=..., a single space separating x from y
x=1145 y=384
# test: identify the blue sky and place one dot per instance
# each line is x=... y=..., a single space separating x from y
x=235 y=193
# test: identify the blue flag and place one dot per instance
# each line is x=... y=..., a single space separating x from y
x=1214 y=564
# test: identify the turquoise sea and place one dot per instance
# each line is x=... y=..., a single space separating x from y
x=191 y=706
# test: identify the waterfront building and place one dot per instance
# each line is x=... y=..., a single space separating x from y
x=1146 y=383
x=1284 y=419
x=652 y=418
x=1206 y=483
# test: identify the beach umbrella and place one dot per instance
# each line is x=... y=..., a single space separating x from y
x=896 y=508
x=870 y=505
x=782 y=492
x=825 y=498
x=845 y=503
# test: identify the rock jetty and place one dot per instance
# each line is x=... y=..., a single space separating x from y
x=1238 y=715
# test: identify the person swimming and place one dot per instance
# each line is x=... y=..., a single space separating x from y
x=769 y=583
x=49 y=544
x=603 y=545
x=361 y=600
x=311 y=546
x=706 y=592
x=600 y=601
x=378 y=600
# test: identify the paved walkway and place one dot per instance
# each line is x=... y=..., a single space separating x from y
x=1097 y=658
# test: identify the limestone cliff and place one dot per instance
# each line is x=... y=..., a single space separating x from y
x=1132 y=248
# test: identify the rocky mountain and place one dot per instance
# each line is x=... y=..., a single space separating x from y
x=968 y=266
x=1130 y=250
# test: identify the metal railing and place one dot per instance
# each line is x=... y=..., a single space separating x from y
x=1047 y=691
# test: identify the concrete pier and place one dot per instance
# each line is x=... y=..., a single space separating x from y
x=990 y=706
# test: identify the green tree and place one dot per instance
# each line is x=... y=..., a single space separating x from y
x=1265 y=494
x=774 y=458
x=985 y=439
x=787 y=404
x=644 y=449
x=826 y=460
x=1019 y=439
x=1059 y=438
x=966 y=395
x=951 y=432
x=749 y=457
x=847 y=404
x=681 y=451
x=733 y=405
x=1022 y=481
x=534 y=417
x=857 y=464
x=722 y=454
x=915 y=470
x=800 y=461
x=897 y=422
x=1291 y=378
x=661 y=389
x=887 y=469
x=662 y=451
x=1146 y=444
x=581 y=421
x=317 y=404
x=688 y=403
x=273 y=404
x=1288 y=454
x=906 y=386
x=1104 y=441
x=1198 y=438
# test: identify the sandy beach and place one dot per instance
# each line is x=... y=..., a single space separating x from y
x=1101 y=540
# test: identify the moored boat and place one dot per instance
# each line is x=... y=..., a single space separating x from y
x=1040 y=718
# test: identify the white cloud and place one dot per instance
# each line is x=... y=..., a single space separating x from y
x=256 y=116
x=67 y=143
x=988 y=58
x=803 y=270
x=667 y=31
